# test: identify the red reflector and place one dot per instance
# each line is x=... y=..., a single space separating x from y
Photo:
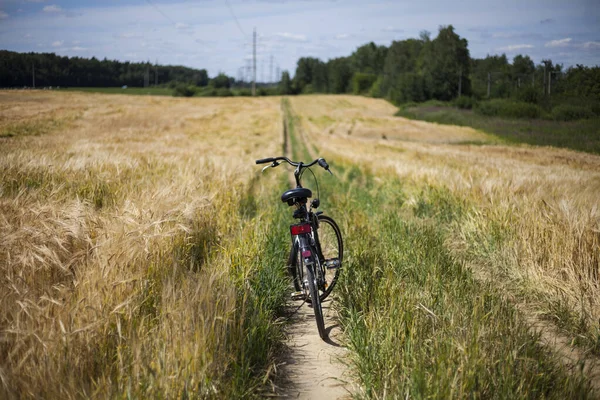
x=306 y=253
x=300 y=229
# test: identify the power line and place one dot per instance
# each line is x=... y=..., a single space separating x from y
x=175 y=24
x=235 y=18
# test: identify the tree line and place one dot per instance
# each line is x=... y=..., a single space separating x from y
x=423 y=68
x=416 y=69
x=49 y=69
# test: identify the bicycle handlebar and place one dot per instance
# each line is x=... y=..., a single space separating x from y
x=265 y=160
x=321 y=161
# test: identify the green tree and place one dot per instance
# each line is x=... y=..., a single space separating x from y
x=304 y=72
x=401 y=60
x=522 y=66
x=221 y=81
x=443 y=61
x=369 y=59
x=285 y=85
x=499 y=71
x=201 y=78
x=339 y=74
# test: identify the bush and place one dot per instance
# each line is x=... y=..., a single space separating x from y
x=307 y=89
x=183 y=90
x=375 y=90
x=569 y=112
x=465 y=102
x=528 y=95
x=244 y=92
x=361 y=82
x=208 y=92
x=508 y=109
x=224 y=92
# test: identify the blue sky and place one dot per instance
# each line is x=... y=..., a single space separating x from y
x=205 y=34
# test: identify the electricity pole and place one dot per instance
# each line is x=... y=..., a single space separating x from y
x=248 y=71
x=254 y=64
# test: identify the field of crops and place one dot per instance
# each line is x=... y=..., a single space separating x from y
x=142 y=252
x=129 y=254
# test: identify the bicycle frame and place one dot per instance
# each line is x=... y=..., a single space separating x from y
x=306 y=241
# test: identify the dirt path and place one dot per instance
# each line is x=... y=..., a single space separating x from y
x=313 y=368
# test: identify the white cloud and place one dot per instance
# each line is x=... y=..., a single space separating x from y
x=78 y=48
x=3 y=15
x=342 y=36
x=392 y=29
x=558 y=43
x=515 y=47
x=591 y=45
x=27 y=36
x=57 y=43
x=182 y=26
x=292 y=36
x=52 y=9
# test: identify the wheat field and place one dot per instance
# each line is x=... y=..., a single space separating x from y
x=110 y=209
x=142 y=252
x=533 y=215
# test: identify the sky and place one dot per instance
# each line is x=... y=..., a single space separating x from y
x=217 y=34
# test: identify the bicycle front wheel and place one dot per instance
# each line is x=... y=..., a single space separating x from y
x=316 y=302
x=331 y=250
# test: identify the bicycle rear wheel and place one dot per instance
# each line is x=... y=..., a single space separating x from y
x=316 y=302
x=294 y=266
x=331 y=250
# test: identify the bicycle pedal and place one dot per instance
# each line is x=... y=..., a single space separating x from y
x=297 y=296
x=333 y=263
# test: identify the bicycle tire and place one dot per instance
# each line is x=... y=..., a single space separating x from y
x=331 y=248
x=316 y=303
x=294 y=267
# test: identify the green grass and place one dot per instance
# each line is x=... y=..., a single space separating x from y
x=582 y=135
x=418 y=324
x=152 y=91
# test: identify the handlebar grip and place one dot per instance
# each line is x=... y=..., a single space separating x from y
x=265 y=160
x=323 y=164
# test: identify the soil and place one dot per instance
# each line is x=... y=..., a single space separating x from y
x=312 y=368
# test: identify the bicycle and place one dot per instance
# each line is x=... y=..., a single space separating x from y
x=316 y=253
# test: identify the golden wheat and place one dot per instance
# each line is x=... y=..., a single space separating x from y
x=542 y=201
x=107 y=284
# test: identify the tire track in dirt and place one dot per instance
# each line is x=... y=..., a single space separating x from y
x=310 y=367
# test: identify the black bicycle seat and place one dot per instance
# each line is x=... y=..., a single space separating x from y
x=298 y=195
